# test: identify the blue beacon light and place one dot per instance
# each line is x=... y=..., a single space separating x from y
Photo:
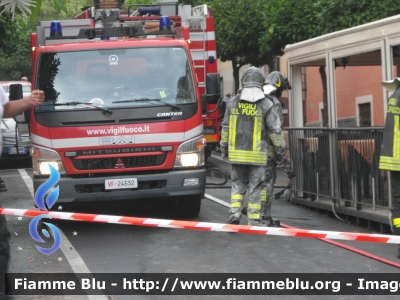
x=165 y=23
x=55 y=28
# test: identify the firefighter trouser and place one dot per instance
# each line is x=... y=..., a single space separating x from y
x=4 y=253
x=270 y=178
x=396 y=201
x=253 y=177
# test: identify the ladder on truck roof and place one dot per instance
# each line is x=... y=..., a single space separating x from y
x=108 y=4
x=202 y=46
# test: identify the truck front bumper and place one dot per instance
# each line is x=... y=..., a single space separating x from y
x=162 y=185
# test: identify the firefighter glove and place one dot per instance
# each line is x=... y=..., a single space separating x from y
x=282 y=160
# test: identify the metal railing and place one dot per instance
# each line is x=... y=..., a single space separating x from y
x=340 y=163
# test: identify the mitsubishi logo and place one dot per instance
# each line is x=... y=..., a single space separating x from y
x=119 y=164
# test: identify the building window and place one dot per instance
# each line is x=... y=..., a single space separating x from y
x=364 y=114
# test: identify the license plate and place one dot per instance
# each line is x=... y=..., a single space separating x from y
x=13 y=150
x=121 y=183
x=210 y=130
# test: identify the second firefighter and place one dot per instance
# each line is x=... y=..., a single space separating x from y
x=251 y=121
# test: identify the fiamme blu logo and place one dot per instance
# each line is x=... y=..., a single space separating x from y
x=47 y=193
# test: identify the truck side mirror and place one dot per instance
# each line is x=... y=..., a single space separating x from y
x=16 y=94
x=15 y=91
x=203 y=104
x=213 y=88
x=213 y=92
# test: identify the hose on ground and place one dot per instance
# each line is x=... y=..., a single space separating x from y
x=221 y=183
x=333 y=209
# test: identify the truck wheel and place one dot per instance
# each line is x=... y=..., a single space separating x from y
x=190 y=207
x=207 y=153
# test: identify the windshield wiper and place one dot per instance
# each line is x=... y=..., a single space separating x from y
x=147 y=99
x=74 y=103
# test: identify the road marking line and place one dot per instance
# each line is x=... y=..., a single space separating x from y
x=74 y=259
x=219 y=201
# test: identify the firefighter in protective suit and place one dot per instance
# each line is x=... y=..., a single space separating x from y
x=390 y=150
x=250 y=122
x=275 y=84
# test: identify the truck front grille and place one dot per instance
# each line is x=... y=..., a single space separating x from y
x=119 y=163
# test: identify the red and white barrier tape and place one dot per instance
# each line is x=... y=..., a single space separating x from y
x=207 y=226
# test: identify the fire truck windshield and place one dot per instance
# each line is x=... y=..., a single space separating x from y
x=115 y=78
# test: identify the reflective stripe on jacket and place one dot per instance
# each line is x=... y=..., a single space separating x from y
x=390 y=152
x=246 y=130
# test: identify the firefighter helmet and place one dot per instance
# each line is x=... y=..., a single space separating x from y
x=276 y=83
x=253 y=77
x=252 y=83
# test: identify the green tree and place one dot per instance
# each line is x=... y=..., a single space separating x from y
x=15 y=59
x=293 y=21
x=238 y=26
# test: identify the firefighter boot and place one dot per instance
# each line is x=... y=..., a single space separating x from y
x=3 y=187
x=234 y=219
x=253 y=222
x=271 y=222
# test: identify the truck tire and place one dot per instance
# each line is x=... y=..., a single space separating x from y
x=207 y=153
x=190 y=207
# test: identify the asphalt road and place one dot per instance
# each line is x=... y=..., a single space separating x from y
x=111 y=248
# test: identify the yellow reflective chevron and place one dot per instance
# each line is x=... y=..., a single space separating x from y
x=254 y=216
x=224 y=137
x=163 y=94
x=232 y=131
x=396 y=138
x=254 y=206
x=278 y=84
x=241 y=156
x=236 y=204
x=392 y=163
x=245 y=138
x=263 y=195
x=396 y=222
x=211 y=138
x=236 y=200
x=257 y=134
x=237 y=197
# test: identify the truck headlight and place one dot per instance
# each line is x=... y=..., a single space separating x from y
x=42 y=158
x=190 y=154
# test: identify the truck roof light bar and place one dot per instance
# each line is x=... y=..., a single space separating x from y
x=131 y=31
x=149 y=10
x=55 y=29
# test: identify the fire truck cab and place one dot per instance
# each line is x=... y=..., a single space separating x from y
x=124 y=106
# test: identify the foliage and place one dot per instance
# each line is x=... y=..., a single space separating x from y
x=255 y=31
x=130 y=2
x=14 y=42
x=51 y=12
x=293 y=21
x=238 y=31
x=15 y=58
x=193 y=2
x=60 y=5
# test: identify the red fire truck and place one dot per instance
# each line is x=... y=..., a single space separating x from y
x=125 y=96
